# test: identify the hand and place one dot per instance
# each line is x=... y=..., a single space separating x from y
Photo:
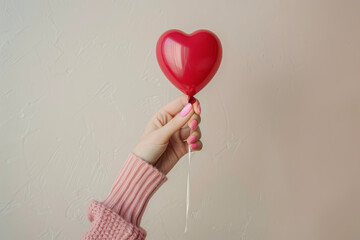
x=169 y=133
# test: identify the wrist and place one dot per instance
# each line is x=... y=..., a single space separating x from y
x=148 y=152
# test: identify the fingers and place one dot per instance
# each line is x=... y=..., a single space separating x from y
x=197 y=107
x=175 y=105
x=176 y=123
x=178 y=103
x=196 y=146
x=192 y=124
x=194 y=140
x=194 y=136
x=194 y=121
x=182 y=112
x=184 y=133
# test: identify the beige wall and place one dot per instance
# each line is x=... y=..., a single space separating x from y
x=281 y=133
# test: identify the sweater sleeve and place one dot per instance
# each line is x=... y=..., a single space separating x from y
x=118 y=216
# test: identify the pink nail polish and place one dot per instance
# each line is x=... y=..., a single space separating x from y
x=194 y=146
x=199 y=108
x=185 y=111
x=191 y=139
x=193 y=124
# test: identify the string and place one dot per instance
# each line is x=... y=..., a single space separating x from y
x=188 y=192
x=191 y=100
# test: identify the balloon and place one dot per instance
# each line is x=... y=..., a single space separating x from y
x=189 y=61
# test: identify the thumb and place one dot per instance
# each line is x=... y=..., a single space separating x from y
x=176 y=123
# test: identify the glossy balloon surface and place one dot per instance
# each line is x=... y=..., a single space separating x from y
x=189 y=61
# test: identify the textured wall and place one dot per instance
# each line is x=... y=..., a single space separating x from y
x=79 y=80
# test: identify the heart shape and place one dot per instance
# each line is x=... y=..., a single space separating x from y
x=189 y=61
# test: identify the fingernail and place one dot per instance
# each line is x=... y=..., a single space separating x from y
x=191 y=139
x=185 y=111
x=194 y=146
x=193 y=124
x=199 y=108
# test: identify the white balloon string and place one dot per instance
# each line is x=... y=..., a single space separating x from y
x=188 y=193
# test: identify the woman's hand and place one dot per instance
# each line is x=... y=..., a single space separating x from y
x=169 y=132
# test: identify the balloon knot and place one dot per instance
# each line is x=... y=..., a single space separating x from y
x=192 y=100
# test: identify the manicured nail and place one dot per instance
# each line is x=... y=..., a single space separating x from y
x=193 y=124
x=191 y=139
x=199 y=108
x=185 y=111
x=194 y=146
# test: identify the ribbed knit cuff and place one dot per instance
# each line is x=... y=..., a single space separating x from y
x=136 y=182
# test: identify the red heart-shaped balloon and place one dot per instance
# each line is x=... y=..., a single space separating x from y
x=189 y=61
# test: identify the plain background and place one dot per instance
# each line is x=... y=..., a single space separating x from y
x=79 y=81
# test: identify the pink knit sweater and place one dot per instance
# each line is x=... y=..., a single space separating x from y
x=118 y=216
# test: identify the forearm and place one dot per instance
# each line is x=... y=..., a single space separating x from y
x=119 y=215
